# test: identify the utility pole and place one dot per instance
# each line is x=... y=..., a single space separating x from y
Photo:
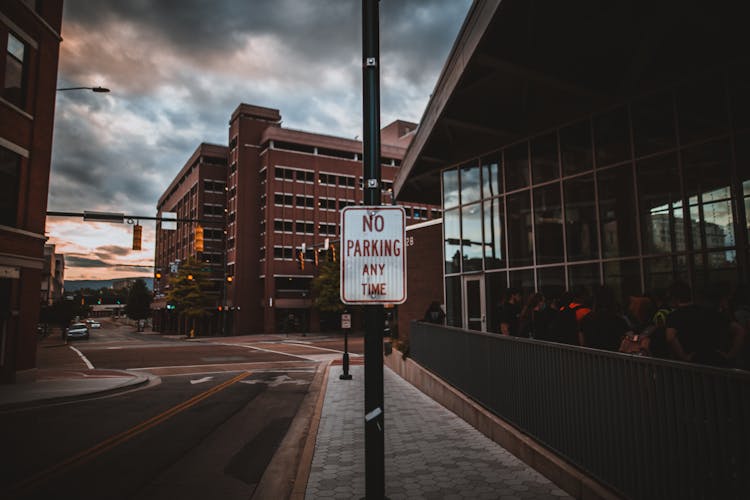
x=373 y=314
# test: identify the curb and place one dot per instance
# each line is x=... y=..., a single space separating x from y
x=138 y=379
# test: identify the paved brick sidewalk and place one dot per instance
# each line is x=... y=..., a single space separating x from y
x=430 y=453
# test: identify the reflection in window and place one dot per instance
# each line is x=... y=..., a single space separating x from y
x=524 y=280
x=575 y=148
x=653 y=124
x=659 y=273
x=706 y=172
x=662 y=223
x=450 y=188
x=624 y=278
x=494 y=253
x=584 y=277
x=544 y=166
x=612 y=138
x=452 y=232
x=470 y=187
x=617 y=212
x=471 y=242
x=492 y=181
x=548 y=224
x=715 y=271
x=453 y=316
x=580 y=218
x=14 y=88
x=516 y=166
x=520 y=249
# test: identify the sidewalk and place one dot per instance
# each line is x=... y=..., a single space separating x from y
x=62 y=375
x=429 y=451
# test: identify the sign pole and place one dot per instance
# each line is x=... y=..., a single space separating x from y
x=373 y=314
x=346 y=324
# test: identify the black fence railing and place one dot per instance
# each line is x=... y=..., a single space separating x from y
x=646 y=427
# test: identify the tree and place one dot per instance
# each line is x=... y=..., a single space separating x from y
x=62 y=312
x=138 y=306
x=187 y=292
x=325 y=288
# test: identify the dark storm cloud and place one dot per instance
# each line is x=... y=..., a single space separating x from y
x=79 y=261
x=109 y=251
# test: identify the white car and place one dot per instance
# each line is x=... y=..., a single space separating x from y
x=92 y=323
x=77 y=331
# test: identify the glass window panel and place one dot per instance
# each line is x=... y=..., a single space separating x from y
x=494 y=253
x=13 y=85
x=617 y=212
x=523 y=280
x=450 y=188
x=612 y=137
x=624 y=278
x=495 y=285
x=10 y=171
x=702 y=109
x=16 y=48
x=715 y=270
x=742 y=148
x=452 y=232
x=661 y=272
x=544 y=165
x=653 y=124
x=739 y=82
x=575 y=148
x=472 y=241
x=492 y=181
x=662 y=223
x=580 y=218
x=706 y=172
x=520 y=249
x=516 y=166
x=548 y=224
x=453 y=301
x=470 y=186
x=584 y=277
x=551 y=281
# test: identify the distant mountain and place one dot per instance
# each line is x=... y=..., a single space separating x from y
x=74 y=285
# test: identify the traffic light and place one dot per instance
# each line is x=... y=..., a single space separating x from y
x=332 y=253
x=230 y=279
x=137 y=233
x=300 y=259
x=158 y=276
x=198 y=241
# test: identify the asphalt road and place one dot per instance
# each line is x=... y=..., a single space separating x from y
x=208 y=429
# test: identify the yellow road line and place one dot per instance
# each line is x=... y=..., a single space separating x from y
x=86 y=455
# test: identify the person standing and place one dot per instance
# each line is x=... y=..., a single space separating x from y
x=510 y=312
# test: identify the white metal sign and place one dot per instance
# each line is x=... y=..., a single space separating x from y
x=373 y=257
x=346 y=321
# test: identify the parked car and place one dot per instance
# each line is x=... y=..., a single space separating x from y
x=77 y=331
x=92 y=323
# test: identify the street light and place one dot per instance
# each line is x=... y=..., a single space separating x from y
x=93 y=89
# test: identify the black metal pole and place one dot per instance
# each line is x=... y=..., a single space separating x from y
x=346 y=375
x=373 y=314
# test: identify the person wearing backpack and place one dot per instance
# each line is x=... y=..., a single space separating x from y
x=565 y=327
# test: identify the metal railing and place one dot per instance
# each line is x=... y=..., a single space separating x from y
x=646 y=427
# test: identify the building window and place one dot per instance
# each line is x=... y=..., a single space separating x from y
x=327 y=203
x=10 y=171
x=452 y=232
x=327 y=229
x=548 y=224
x=580 y=218
x=517 y=167
x=544 y=166
x=286 y=200
x=662 y=222
x=494 y=253
x=327 y=179
x=470 y=186
x=612 y=137
x=305 y=227
x=212 y=210
x=305 y=201
x=617 y=216
x=520 y=243
x=576 y=154
x=471 y=237
x=283 y=226
x=14 y=87
x=450 y=189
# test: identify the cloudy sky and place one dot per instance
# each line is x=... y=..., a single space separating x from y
x=177 y=70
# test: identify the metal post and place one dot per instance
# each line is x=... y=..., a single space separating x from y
x=373 y=314
x=346 y=375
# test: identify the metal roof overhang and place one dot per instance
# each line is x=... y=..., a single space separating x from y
x=520 y=67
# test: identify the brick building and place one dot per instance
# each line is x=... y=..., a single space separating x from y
x=53 y=276
x=198 y=192
x=284 y=188
x=30 y=45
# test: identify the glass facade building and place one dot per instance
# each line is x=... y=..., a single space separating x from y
x=635 y=196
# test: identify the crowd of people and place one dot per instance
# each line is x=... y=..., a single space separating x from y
x=711 y=329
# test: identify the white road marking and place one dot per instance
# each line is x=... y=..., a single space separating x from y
x=281 y=379
x=84 y=358
x=201 y=380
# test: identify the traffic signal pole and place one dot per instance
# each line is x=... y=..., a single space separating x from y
x=373 y=314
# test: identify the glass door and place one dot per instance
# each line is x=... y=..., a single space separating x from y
x=475 y=317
